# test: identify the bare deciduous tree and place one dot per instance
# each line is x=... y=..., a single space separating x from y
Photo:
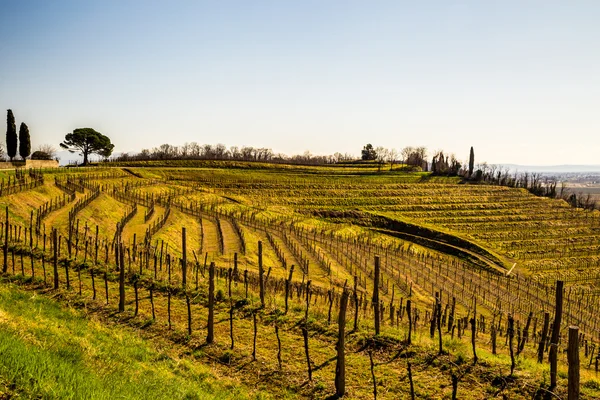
x=391 y=157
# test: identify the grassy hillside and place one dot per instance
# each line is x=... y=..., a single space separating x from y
x=51 y=350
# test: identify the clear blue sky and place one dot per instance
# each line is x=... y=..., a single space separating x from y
x=518 y=80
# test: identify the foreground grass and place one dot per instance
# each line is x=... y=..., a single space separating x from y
x=50 y=351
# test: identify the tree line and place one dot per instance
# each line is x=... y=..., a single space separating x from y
x=196 y=151
x=416 y=157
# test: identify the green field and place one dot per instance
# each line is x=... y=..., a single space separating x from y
x=432 y=235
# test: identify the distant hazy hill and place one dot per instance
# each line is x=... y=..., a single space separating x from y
x=553 y=168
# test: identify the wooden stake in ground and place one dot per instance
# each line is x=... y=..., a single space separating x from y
x=356 y=308
x=230 y=276
x=307 y=302
x=439 y=326
x=288 y=284
x=474 y=332
x=184 y=260
x=261 y=273
x=255 y=332
x=410 y=321
x=340 y=367
x=137 y=303
x=33 y=268
x=451 y=316
x=511 y=334
x=44 y=268
x=330 y=301
x=278 y=346
x=556 y=335
x=121 y=280
x=5 y=248
x=376 y=295
x=544 y=337
x=573 y=358
x=410 y=380
x=454 y=386
x=106 y=286
x=152 y=301
x=211 y=304
x=306 y=352
x=55 y=261
x=189 y=310
x=169 y=307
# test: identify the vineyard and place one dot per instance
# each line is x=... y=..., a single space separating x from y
x=314 y=281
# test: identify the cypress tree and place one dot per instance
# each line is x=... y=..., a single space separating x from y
x=24 y=141
x=471 y=161
x=11 y=135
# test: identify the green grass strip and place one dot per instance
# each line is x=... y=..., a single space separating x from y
x=53 y=352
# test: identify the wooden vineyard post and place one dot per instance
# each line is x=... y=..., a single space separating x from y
x=288 y=283
x=278 y=345
x=451 y=316
x=410 y=321
x=31 y=229
x=553 y=356
x=307 y=302
x=493 y=335
x=93 y=281
x=454 y=386
x=121 y=280
x=152 y=301
x=230 y=276
x=183 y=260
x=439 y=326
x=543 y=338
x=511 y=334
x=189 y=312
x=306 y=352
x=70 y=239
x=474 y=332
x=106 y=285
x=255 y=333
x=410 y=380
x=96 y=247
x=340 y=368
x=55 y=260
x=376 y=295
x=5 y=248
x=573 y=358
x=356 y=308
x=235 y=266
x=261 y=273
x=330 y=300
x=137 y=303
x=78 y=276
x=211 y=304
x=305 y=331
x=44 y=268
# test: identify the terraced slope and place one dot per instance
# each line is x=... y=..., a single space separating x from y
x=434 y=238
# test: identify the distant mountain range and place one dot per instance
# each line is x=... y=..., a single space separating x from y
x=553 y=168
